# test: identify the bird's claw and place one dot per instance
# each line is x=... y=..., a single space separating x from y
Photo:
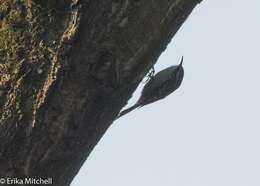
x=150 y=75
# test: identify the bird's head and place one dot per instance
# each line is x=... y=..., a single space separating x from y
x=179 y=73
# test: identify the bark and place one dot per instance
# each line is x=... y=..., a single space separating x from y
x=67 y=68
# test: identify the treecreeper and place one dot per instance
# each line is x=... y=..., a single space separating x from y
x=159 y=86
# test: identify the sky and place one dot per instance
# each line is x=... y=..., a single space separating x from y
x=207 y=132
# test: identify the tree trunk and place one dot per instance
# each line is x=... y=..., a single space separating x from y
x=67 y=68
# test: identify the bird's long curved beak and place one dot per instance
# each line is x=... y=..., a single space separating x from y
x=181 y=62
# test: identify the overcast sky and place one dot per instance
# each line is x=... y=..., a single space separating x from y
x=207 y=133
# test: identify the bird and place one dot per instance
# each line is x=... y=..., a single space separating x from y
x=159 y=86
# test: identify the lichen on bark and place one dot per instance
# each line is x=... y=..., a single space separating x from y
x=30 y=33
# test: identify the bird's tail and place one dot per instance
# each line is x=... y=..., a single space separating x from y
x=128 y=110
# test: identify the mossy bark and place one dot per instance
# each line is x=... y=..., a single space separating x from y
x=66 y=70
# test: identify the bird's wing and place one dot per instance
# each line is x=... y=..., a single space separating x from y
x=154 y=85
x=156 y=81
